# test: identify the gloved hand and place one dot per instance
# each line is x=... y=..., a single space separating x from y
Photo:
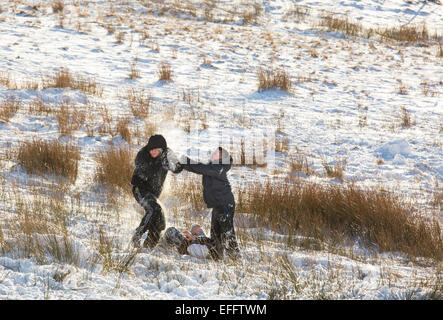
x=183 y=159
x=173 y=161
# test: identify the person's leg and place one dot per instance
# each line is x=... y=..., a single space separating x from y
x=227 y=232
x=155 y=226
x=217 y=215
x=153 y=221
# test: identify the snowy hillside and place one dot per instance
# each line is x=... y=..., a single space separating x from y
x=370 y=103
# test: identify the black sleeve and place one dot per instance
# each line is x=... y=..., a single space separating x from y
x=138 y=177
x=204 y=169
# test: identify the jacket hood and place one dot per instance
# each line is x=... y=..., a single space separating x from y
x=156 y=141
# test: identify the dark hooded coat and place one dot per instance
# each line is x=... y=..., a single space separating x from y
x=216 y=187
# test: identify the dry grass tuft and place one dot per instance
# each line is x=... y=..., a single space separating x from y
x=337 y=213
x=139 y=102
x=112 y=262
x=53 y=157
x=115 y=167
x=345 y=25
x=39 y=106
x=63 y=78
x=299 y=163
x=335 y=171
x=409 y=34
x=134 y=71
x=69 y=118
x=270 y=79
x=57 y=6
x=9 y=107
x=406 y=120
x=164 y=72
x=123 y=129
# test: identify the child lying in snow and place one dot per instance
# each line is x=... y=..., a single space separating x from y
x=194 y=242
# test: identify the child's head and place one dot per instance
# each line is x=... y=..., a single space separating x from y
x=197 y=230
x=218 y=154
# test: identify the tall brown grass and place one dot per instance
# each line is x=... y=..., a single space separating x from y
x=115 y=166
x=112 y=262
x=53 y=157
x=406 y=120
x=134 y=71
x=9 y=107
x=57 y=6
x=69 y=118
x=337 y=213
x=139 y=102
x=408 y=34
x=123 y=129
x=164 y=72
x=345 y=25
x=63 y=78
x=298 y=162
x=336 y=170
x=273 y=78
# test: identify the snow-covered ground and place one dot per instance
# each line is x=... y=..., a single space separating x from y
x=345 y=103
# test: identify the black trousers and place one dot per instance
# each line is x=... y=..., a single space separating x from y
x=222 y=229
x=153 y=221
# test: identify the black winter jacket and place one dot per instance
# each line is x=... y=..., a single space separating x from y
x=150 y=173
x=216 y=187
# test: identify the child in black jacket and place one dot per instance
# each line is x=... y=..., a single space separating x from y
x=217 y=195
x=151 y=167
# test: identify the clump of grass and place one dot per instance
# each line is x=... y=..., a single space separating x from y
x=406 y=120
x=69 y=118
x=407 y=33
x=440 y=50
x=270 y=79
x=134 y=71
x=345 y=25
x=57 y=6
x=299 y=163
x=112 y=262
x=139 y=102
x=63 y=78
x=337 y=170
x=39 y=106
x=7 y=80
x=120 y=37
x=123 y=129
x=164 y=72
x=115 y=166
x=191 y=191
x=9 y=107
x=402 y=89
x=336 y=213
x=53 y=157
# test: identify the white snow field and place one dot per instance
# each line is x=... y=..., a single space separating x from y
x=348 y=101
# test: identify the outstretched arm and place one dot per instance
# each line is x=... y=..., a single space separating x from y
x=170 y=162
x=200 y=168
